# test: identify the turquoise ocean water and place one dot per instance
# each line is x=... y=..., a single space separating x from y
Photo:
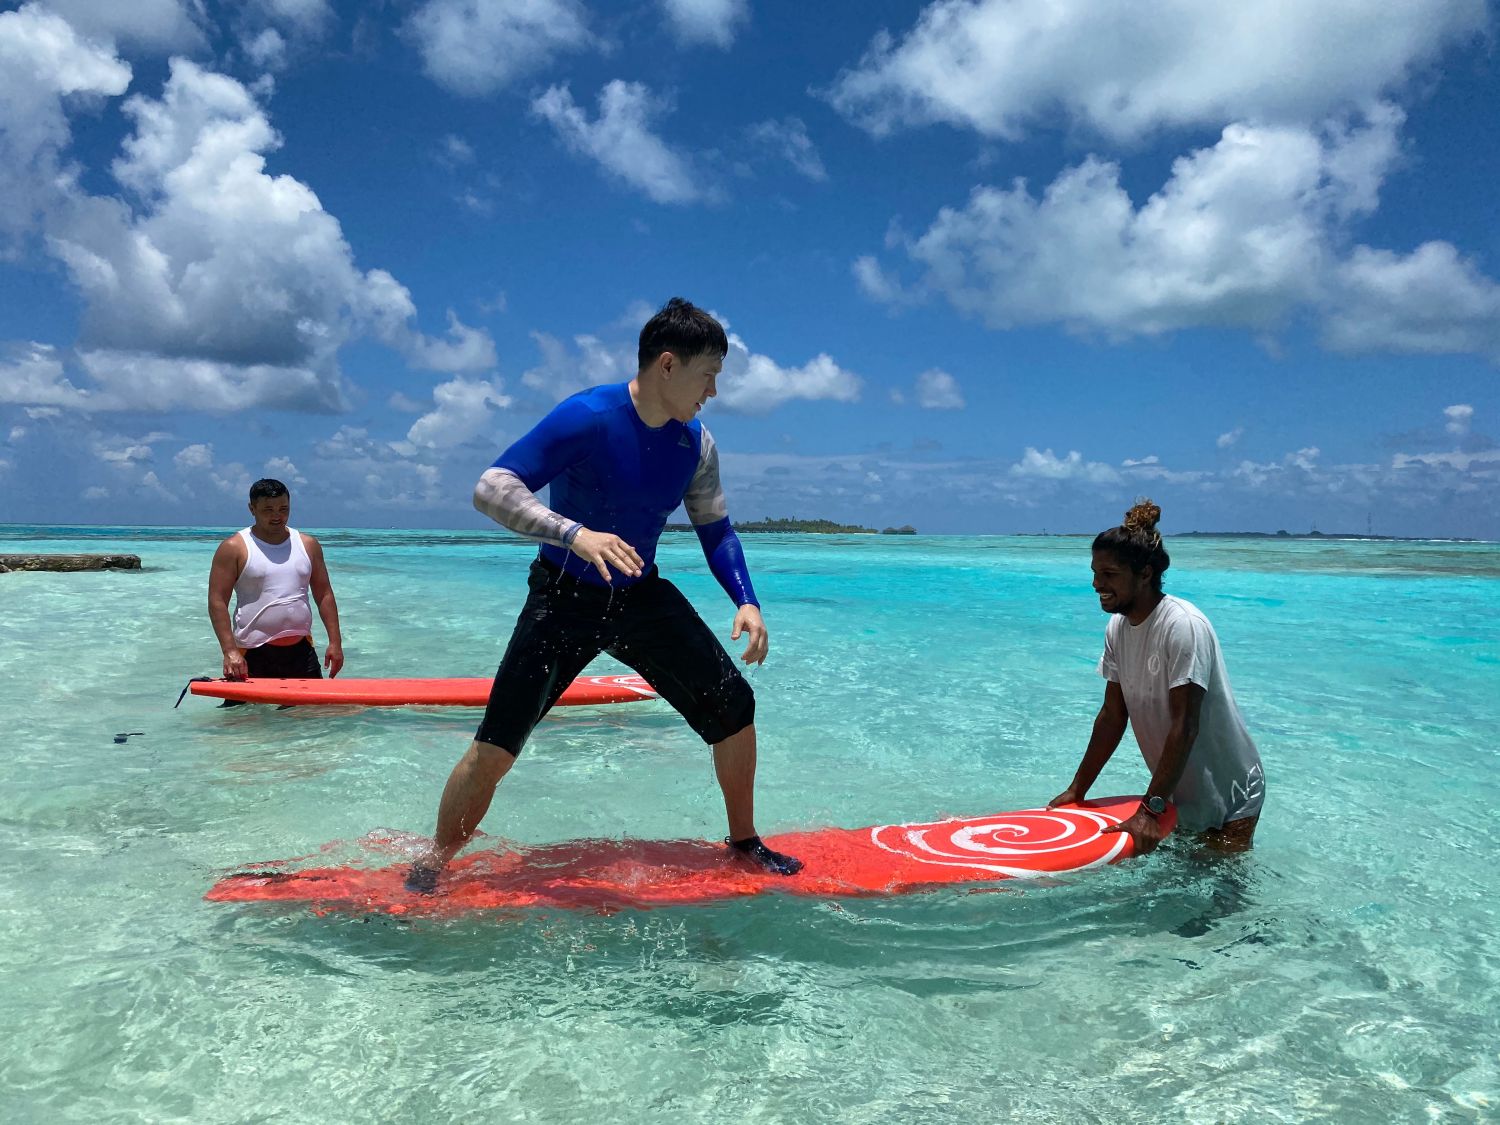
x=1346 y=970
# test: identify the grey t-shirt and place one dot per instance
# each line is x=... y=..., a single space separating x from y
x=1176 y=645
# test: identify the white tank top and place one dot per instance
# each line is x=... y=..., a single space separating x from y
x=270 y=598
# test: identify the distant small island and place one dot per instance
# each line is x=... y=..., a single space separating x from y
x=814 y=527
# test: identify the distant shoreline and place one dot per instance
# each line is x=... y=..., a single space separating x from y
x=1315 y=535
x=1282 y=535
x=213 y=533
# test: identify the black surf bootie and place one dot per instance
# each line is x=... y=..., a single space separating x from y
x=422 y=880
x=756 y=852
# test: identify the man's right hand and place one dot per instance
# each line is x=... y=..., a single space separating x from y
x=605 y=549
x=234 y=665
x=1069 y=796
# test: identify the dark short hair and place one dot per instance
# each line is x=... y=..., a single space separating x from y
x=683 y=329
x=267 y=489
x=1137 y=543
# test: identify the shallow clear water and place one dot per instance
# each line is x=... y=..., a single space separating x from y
x=1348 y=969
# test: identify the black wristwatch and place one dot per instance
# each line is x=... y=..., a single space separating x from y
x=1154 y=805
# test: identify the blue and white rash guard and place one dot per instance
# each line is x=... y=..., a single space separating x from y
x=611 y=472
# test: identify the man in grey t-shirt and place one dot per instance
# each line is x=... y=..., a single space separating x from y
x=1165 y=675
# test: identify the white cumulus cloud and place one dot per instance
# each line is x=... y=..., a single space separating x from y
x=621 y=141
x=1246 y=233
x=711 y=22
x=271 y=31
x=266 y=48
x=750 y=383
x=210 y=283
x=135 y=380
x=1151 y=469
x=1123 y=69
x=307 y=16
x=195 y=456
x=365 y=472
x=1046 y=465
x=121 y=453
x=463 y=411
x=147 y=25
x=757 y=384
x=1293 y=470
x=874 y=282
x=464 y=349
x=1428 y=302
x=937 y=390
x=282 y=469
x=475 y=47
x=46 y=68
x=35 y=377
x=1240 y=235
x=1459 y=417
x=1485 y=461
x=787 y=138
x=454 y=151
x=590 y=361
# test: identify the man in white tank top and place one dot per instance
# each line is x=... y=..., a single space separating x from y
x=270 y=569
x=1165 y=677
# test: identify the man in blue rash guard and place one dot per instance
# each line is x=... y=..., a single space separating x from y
x=619 y=460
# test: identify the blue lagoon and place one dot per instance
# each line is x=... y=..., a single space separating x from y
x=1347 y=969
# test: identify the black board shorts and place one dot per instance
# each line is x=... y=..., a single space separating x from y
x=284 y=662
x=650 y=626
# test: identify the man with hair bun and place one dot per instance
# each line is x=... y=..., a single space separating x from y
x=1165 y=676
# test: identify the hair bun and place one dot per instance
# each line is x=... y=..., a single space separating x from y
x=1142 y=517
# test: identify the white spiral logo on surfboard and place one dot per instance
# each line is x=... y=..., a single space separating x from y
x=636 y=684
x=1015 y=844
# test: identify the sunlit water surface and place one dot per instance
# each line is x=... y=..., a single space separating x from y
x=1348 y=969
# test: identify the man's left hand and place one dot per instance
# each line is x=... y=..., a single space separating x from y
x=1145 y=831
x=333 y=658
x=748 y=620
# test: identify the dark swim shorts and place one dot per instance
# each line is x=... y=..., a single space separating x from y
x=284 y=662
x=650 y=626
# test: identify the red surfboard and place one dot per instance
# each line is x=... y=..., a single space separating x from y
x=457 y=692
x=887 y=859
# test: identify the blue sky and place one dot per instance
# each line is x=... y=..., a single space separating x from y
x=988 y=265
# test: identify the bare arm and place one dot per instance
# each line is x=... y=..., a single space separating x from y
x=229 y=561
x=1109 y=728
x=1184 y=704
x=328 y=608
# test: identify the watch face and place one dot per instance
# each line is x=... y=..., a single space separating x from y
x=1157 y=805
